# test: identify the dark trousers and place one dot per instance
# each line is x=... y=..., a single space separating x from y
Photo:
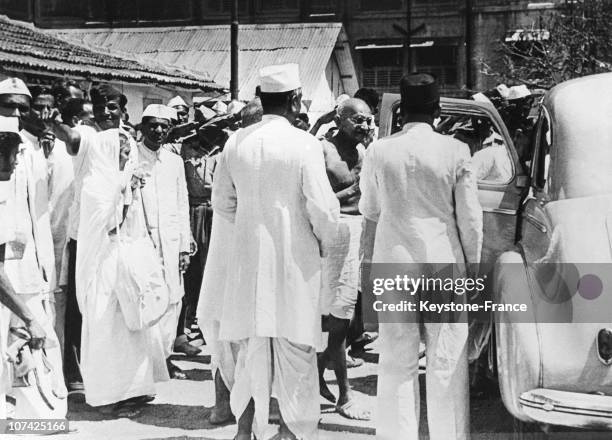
x=73 y=321
x=201 y=224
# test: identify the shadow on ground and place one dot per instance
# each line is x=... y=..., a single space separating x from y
x=365 y=384
x=200 y=359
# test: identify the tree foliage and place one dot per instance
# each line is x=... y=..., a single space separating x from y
x=573 y=41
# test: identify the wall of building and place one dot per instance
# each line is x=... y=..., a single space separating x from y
x=439 y=26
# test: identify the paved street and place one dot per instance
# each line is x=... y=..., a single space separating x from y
x=180 y=412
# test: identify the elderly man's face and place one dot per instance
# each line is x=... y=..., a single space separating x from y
x=182 y=113
x=14 y=105
x=9 y=143
x=108 y=114
x=355 y=120
x=154 y=131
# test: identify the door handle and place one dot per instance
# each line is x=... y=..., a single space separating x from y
x=500 y=211
x=536 y=223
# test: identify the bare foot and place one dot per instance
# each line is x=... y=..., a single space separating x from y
x=353 y=410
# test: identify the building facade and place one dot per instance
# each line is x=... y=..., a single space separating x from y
x=449 y=38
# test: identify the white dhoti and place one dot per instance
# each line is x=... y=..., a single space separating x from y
x=223 y=356
x=41 y=308
x=116 y=363
x=340 y=270
x=276 y=367
x=446 y=381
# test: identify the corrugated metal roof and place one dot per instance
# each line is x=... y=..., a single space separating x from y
x=207 y=48
x=23 y=46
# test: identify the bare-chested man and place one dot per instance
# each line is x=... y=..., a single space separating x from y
x=343 y=158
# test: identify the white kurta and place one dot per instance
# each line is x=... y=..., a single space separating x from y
x=37 y=174
x=116 y=363
x=167 y=211
x=223 y=354
x=167 y=207
x=271 y=183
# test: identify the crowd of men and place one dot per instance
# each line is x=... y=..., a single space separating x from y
x=120 y=242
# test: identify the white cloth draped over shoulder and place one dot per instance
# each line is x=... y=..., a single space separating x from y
x=286 y=215
x=116 y=363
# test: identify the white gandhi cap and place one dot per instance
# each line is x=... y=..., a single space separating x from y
x=9 y=124
x=157 y=111
x=14 y=86
x=177 y=101
x=280 y=78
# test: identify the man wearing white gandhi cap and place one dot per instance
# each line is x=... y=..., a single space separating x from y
x=287 y=217
x=166 y=207
x=181 y=107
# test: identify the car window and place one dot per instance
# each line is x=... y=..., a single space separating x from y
x=490 y=157
x=540 y=173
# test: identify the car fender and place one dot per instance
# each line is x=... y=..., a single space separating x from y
x=518 y=346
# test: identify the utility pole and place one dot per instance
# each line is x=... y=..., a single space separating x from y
x=469 y=45
x=407 y=50
x=234 y=51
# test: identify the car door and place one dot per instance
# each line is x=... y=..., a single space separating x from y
x=500 y=198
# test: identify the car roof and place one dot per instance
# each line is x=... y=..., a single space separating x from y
x=580 y=111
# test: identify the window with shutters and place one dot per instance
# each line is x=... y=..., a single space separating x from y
x=382 y=68
x=440 y=61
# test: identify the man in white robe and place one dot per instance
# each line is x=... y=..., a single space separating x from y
x=420 y=201
x=81 y=139
x=166 y=207
x=29 y=260
x=10 y=301
x=271 y=184
x=59 y=179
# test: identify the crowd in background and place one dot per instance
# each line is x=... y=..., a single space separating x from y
x=123 y=243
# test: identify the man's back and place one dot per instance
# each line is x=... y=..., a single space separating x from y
x=271 y=183
x=426 y=198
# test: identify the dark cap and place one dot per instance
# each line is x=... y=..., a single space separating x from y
x=106 y=92
x=419 y=91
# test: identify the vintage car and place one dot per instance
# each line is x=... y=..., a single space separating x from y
x=550 y=234
x=555 y=369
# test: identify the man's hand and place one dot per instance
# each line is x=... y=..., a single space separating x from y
x=37 y=333
x=193 y=246
x=47 y=142
x=183 y=261
x=325 y=119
